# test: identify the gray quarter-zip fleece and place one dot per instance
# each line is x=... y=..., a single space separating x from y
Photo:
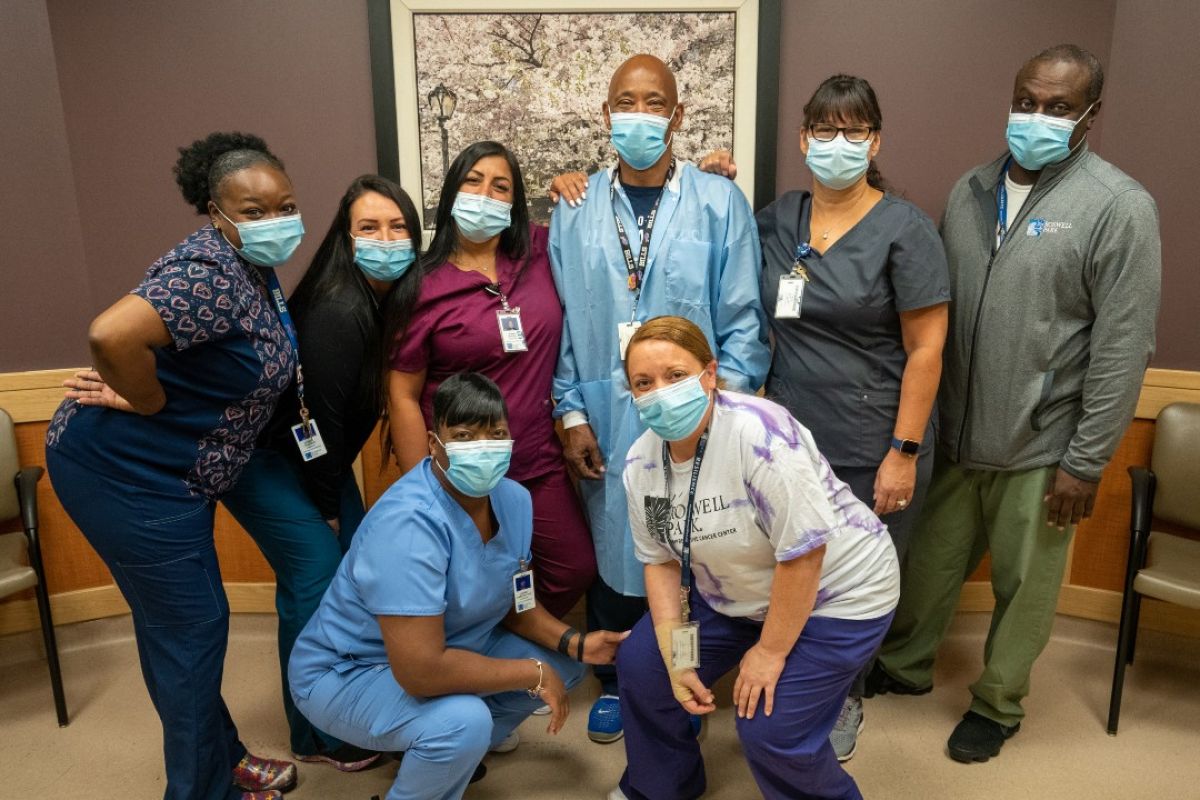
x=1049 y=336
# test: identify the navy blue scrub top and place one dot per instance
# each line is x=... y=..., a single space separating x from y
x=838 y=367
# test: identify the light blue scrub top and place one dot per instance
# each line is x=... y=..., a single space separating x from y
x=703 y=264
x=417 y=553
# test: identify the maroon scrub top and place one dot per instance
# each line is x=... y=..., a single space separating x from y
x=454 y=329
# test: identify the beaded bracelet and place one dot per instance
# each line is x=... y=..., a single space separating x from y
x=536 y=691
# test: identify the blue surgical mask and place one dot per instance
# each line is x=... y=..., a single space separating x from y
x=640 y=139
x=1038 y=140
x=479 y=218
x=268 y=242
x=839 y=163
x=383 y=261
x=477 y=466
x=674 y=412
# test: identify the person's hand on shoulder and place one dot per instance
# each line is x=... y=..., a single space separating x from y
x=569 y=186
x=719 y=162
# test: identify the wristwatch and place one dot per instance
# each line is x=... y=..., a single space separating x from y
x=907 y=447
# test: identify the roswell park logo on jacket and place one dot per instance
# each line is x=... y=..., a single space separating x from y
x=666 y=518
x=1039 y=226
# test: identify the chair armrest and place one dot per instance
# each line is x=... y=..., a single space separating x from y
x=1141 y=511
x=26 y=482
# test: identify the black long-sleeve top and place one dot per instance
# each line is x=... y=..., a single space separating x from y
x=334 y=336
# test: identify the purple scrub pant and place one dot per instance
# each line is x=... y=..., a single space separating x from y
x=788 y=752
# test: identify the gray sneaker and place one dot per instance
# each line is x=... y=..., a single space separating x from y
x=844 y=736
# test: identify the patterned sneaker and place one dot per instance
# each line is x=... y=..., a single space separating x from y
x=345 y=758
x=256 y=774
x=507 y=744
x=844 y=736
x=268 y=795
x=604 y=721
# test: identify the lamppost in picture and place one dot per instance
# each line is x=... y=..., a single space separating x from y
x=442 y=101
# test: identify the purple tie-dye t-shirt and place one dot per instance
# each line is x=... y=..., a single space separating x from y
x=764 y=495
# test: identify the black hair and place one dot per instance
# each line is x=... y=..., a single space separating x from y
x=514 y=241
x=1076 y=55
x=333 y=273
x=206 y=163
x=852 y=99
x=468 y=398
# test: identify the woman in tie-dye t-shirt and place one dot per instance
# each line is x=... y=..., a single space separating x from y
x=188 y=368
x=793 y=579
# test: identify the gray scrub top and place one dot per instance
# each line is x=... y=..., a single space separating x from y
x=838 y=367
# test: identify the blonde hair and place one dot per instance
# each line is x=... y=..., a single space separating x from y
x=678 y=331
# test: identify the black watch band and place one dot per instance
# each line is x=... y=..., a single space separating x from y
x=564 y=641
x=908 y=447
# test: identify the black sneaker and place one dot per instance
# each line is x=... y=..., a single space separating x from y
x=879 y=682
x=978 y=738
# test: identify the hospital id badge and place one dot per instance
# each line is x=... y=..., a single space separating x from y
x=523 y=599
x=685 y=646
x=512 y=335
x=791 y=295
x=311 y=444
x=625 y=332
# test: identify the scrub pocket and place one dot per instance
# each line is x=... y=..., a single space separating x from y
x=176 y=592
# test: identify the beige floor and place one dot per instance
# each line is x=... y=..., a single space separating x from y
x=111 y=749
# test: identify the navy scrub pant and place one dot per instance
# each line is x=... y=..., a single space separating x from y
x=270 y=502
x=788 y=752
x=159 y=547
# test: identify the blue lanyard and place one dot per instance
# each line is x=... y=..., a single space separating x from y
x=1002 y=206
x=285 y=319
x=685 y=552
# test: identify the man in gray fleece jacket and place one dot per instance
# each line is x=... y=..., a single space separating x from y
x=1054 y=261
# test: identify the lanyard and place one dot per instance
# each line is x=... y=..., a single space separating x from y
x=289 y=328
x=637 y=269
x=495 y=291
x=685 y=575
x=1002 y=206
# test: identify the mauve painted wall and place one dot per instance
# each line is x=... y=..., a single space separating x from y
x=138 y=79
x=44 y=285
x=1150 y=104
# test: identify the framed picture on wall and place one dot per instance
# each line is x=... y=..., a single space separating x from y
x=533 y=74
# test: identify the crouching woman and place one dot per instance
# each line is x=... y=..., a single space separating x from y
x=429 y=639
x=757 y=557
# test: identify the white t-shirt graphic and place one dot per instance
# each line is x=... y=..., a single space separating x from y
x=764 y=495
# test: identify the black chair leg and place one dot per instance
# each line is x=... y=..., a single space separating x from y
x=43 y=601
x=1124 y=642
x=1133 y=633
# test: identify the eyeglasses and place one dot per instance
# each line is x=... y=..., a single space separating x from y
x=827 y=133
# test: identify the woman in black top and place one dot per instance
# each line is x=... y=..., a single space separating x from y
x=298 y=497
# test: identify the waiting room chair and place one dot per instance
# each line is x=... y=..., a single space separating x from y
x=18 y=497
x=1161 y=565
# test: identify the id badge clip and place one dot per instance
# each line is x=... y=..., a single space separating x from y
x=522 y=581
x=625 y=332
x=791 y=294
x=308 y=439
x=512 y=335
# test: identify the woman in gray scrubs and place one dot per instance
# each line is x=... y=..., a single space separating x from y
x=856 y=286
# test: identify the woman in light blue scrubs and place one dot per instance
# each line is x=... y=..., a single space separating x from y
x=424 y=642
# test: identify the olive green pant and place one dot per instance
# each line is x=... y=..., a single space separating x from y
x=967 y=513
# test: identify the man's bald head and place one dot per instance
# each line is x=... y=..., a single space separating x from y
x=643 y=74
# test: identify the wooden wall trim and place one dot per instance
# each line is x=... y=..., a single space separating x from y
x=1101 y=605
x=33 y=396
x=106 y=601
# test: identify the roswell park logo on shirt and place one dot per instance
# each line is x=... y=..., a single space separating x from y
x=666 y=518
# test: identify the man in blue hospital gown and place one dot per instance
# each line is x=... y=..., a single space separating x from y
x=656 y=236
